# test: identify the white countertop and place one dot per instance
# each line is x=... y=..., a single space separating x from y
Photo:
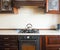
x=41 y=32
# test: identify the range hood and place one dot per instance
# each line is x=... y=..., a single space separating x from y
x=40 y=3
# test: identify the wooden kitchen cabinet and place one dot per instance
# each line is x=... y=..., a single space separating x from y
x=41 y=40
x=53 y=6
x=7 y=6
x=8 y=42
x=11 y=42
x=40 y=3
x=52 y=42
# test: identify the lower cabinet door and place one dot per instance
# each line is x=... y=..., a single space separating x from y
x=10 y=49
x=53 y=48
x=1 y=49
x=53 y=40
x=13 y=48
x=6 y=48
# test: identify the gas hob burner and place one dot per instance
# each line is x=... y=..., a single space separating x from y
x=28 y=31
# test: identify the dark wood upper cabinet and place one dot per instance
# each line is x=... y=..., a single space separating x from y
x=53 y=6
x=11 y=6
x=6 y=6
x=40 y=3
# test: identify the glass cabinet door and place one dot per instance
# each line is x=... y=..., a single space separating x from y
x=52 y=6
x=6 y=5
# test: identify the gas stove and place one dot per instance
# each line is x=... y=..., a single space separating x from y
x=28 y=31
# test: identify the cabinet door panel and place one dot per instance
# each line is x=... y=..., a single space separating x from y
x=52 y=6
x=8 y=38
x=8 y=42
x=10 y=48
x=53 y=40
x=13 y=48
x=53 y=48
x=6 y=6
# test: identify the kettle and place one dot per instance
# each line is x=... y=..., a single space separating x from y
x=29 y=26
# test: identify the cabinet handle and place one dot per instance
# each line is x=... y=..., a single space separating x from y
x=6 y=44
x=59 y=48
x=6 y=48
x=6 y=38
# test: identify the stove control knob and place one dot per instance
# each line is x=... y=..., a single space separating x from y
x=28 y=37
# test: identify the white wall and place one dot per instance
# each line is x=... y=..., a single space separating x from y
x=59 y=19
x=26 y=16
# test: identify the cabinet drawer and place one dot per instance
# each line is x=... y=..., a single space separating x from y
x=8 y=38
x=13 y=48
x=10 y=41
x=53 y=48
x=53 y=40
x=10 y=48
x=10 y=44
